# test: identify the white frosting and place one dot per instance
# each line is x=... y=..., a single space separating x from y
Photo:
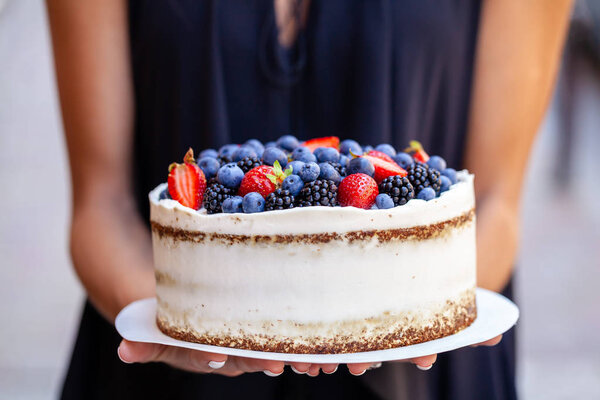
x=214 y=286
x=458 y=200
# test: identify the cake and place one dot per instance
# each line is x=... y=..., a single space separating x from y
x=308 y=278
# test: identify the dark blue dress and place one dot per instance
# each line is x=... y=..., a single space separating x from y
x=207 y=73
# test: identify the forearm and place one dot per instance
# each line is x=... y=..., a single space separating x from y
x=517 y=60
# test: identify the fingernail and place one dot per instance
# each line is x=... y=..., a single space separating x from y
x=313 y=376
x=425 y=368
x=364 y=370
x=332 y=372
x=272 y=374
x=121 y=358
x=216 y=364
x=298 y=372
x=374 y=366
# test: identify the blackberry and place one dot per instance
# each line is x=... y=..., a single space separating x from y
x=247 y=163
x=435 y=180
x=214 y=196
x=418 y=176
x=318 y=193
x=398 y=188
x=224 y=160
x=279 y=200
x=339 y=168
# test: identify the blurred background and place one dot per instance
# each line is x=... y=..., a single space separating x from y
x=558 y=271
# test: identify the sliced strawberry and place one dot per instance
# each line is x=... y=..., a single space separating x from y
x=357 y=190
x=329 y=141
x=418 y=153
x=381 y=155
x=256 y=180
x=383 y=168
x=187 y=182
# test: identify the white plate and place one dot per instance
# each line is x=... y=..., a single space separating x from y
x=495 y=315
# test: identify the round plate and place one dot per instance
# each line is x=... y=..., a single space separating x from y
x=495 y=315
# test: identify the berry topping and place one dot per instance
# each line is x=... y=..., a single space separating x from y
x=327 y=154
x=451 y=174
x=417 y=151
x=232 y=205
x=384 y=201
x=263 y=179
x=318 y=193
x=360 y=165
x=404 y=160
x=209 y=153
x=164 y=195
x=349 y=146
x=293 y=184
x=398 y=188
x=386 y=148
x=303 y=154
x=209 y=166
x=328 y=172
x=358 y=190
x=272 y=154
x=227 y=150
x=186 y=182
x=421 y=176
x=445 y=183
x=380 y=155
x=437 y=162
x=243 y=152
x=296 y=166
x=214 y=197
x=329 y=141
x=248 y=163
x=383 y=168
x=426 y=194
x=257 y=146
x=280 y=199
x=344 y=160
x=309 y=172
x=253 y=203
x=288 y=142
x=230 y=175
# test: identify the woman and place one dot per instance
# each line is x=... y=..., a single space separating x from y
x=141 y=81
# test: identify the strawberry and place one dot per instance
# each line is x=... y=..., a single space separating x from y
x=329 y=141
x=417 y=151
x=187 y=182
x=357 y=190
x=383 y=168
x=263 y=179
x=379 y=154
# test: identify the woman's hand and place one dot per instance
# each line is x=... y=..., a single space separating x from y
x=204 y=362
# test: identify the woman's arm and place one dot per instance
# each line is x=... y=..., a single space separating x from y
x=517 y=60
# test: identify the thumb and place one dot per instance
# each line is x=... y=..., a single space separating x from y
x=130 y=352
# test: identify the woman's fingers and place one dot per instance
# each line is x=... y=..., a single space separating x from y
x=424 y=363
x=358 y=368
x=491 y=342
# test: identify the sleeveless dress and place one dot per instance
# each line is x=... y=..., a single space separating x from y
x=212 y=72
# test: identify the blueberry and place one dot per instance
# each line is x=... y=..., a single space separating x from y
x=270 y=144
x=328 y=154
x=367 y=148
x=272 y=154
x=288 y=142
x=384 y=201
x=164 y=195
x=296 y=166
x=350 y=145
x=253 y=203
x=328 y=172
x=360 y=165
x=230 y=175
x=257 y=146
x=232 y=205
x=451 y=174
x=387 y=149
x=227 y=150
x=209 y=153
x=318 y=151
x=437 y=162
x=303 y=154
x=209 y=166
x=426 y=194
x=344 y=160
x=309 y=172
x=243 y=151
x=404 y=160
x=446 y=183
x=294 y=184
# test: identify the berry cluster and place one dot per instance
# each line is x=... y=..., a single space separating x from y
x=256 y=177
